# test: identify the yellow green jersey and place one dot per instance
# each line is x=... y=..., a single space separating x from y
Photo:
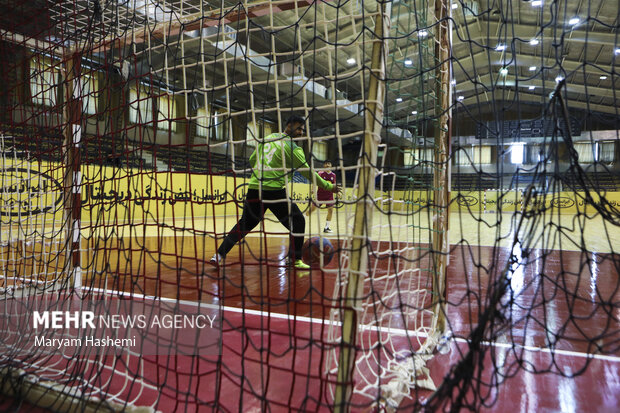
x=277 y=157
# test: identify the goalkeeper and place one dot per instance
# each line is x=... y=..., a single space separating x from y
x=271 y=162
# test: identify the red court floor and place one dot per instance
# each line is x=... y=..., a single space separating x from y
x=551 y=344
x=557 y=349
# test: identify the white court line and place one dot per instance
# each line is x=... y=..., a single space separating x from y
x=395 y=331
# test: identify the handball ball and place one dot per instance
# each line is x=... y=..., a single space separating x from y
x=314 y=248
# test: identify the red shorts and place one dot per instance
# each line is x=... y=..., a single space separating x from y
x=323 y=196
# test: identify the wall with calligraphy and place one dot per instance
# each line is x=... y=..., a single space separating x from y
x=132 y=196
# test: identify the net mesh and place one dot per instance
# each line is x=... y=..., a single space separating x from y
x=126 y=131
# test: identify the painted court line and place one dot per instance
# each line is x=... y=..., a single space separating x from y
x=395 y=331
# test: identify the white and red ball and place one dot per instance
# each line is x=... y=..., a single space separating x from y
x=314 y=248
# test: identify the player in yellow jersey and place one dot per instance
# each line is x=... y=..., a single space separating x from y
x=272 y=161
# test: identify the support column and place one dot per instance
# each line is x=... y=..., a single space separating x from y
x=72 y=116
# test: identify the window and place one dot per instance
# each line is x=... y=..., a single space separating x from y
x=424 y=154
x=202 y=122
x=43 y=81
x=166 y=106
x=319 y=150
x=586 y=152
x=269 y=128
x=517 y=153
x=607 y=151
x=413 y=157
x=482 y=154
x=89 y=94
x=210 y=126
x=535 y=153
x=140 y=106
x=463 y=156
x=408 y=157
x=257 y=131
x=252 y=134
x=218 y=132
x=540 y=153
x=473 y=155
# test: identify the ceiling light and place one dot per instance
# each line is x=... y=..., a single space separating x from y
x=422 y=33
x=573 y=21
x=534 y=42
x=453 y=82
x=415 y=112
x=536 y=3
x=532 y=68
x=351 y=60
x=460 y=98
x=503 y=71
x=500 y=47
x=455 y=6
x=603 y=77
x=558 y=79
x=532 y=87
x=399 y=99
x=617 y=51
x=408 y=62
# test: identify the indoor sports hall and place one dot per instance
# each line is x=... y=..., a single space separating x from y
x=467 y=257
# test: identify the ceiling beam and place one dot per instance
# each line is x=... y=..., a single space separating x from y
x=489 y=30
x=54 y=49
x=466 y=64
x=538 y=99
x=486 y=83
x=198 y=21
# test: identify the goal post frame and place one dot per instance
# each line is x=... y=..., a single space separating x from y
x=72 y=197
x=363 y=209
x=441 y=178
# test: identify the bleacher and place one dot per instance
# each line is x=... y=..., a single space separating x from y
x=46 y=144
x=39 y=144
x=473 y=182
x=110 y=151
x=603 y=181
x=180 y=159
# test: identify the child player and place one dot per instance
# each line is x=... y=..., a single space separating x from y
x=324 y=197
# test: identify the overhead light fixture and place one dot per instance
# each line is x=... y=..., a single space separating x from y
x=453 y=82
x=399 y=99
x=408 y=62
x=534 y=42
x=455 y=6
x=460 y=98
x=558 y=79
x=351 y=61
x=532 y=87
x=503 y=71
x=603 y=77
x=573 y=21
x=500 y=47
x=617 y=51
x=415 y=112
x=422 y=33
x=532 y=68
x=536 y=3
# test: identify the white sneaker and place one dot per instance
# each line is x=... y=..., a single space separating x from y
x=216 y=260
